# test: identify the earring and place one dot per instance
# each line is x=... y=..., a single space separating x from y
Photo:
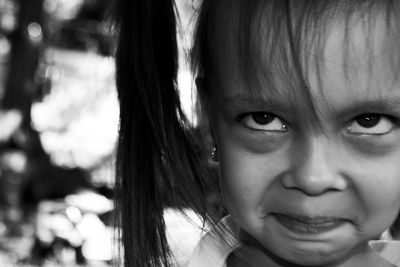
x=214 y=153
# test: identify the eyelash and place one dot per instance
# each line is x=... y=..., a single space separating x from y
x=269 y=117
x=389 y=123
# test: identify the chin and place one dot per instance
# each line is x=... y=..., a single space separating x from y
x=310 y=257
x=287 y=253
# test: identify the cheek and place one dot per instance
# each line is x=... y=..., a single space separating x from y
x=380 y=193
x=241 y=181
x=247 y=179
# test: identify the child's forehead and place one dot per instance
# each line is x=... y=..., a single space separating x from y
x=267 y=50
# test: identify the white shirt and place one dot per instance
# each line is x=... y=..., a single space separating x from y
x=216 y=245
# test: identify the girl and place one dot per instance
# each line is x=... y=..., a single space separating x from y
x=302 y=100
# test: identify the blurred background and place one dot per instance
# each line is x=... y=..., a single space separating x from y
x=58 y=128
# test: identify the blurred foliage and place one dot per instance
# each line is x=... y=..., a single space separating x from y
x=58 y=109
x=83 y=27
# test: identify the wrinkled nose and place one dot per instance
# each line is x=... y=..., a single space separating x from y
x=313 y=168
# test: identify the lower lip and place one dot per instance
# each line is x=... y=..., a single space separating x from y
x=308 y=226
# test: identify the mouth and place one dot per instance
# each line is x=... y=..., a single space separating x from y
x=308 y=225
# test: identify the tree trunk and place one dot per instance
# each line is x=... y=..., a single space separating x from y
x=25 y=53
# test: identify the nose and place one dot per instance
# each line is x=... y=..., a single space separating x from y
x=313 y=168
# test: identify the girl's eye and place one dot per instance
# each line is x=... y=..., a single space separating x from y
x=264 y=121
x=371 y=123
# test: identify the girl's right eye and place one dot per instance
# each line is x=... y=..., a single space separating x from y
x=263 y=121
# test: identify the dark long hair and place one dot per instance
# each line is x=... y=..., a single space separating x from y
x=156 y=159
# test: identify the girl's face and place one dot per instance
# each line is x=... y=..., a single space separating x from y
x=310 y=189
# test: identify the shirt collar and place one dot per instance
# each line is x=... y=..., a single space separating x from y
x=387 y=249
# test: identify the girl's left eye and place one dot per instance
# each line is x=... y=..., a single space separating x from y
x=371 y=123
x=263 y=121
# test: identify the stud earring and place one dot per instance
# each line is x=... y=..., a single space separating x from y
x=214 y=153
